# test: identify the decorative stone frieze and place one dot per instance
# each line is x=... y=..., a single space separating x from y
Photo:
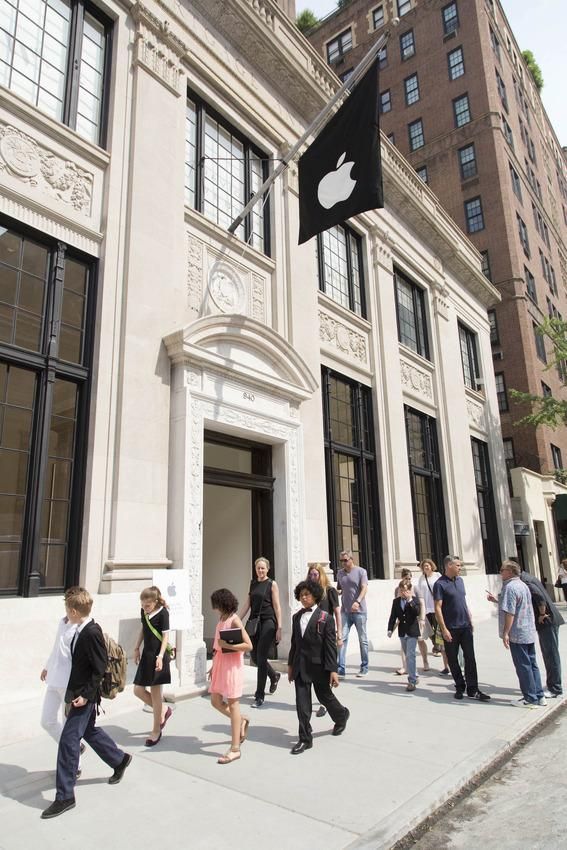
x=476 y=414
x=37 y=166
x=157 y=49
x=345 y=339
x=416 y=380
x=194 y=274
x=258 y=298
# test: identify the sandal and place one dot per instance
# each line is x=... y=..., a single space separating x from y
x=232 y=755
x=426 y=668
x=244 y=729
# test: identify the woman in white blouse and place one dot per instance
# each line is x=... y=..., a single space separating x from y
x=423 y=587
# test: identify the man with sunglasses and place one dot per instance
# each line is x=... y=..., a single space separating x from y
x=352 y=584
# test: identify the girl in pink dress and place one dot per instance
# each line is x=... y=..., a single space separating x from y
x=227 y=672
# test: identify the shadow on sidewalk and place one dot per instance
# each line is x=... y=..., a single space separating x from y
x=26 y=786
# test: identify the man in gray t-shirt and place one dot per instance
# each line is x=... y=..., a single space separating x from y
x=352 y=584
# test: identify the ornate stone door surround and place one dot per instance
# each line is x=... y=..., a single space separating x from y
x=234 y=374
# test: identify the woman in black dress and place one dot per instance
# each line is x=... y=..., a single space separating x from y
x=329 y=602
x=264 y=602
x=153 y=663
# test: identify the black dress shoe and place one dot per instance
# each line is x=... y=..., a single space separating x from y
x=339 y=728
x=275 y=682
x=300 y=747
x=58 y=807
x=119 y=771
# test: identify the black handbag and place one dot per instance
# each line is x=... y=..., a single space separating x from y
x=558 y=583
x=253 y=623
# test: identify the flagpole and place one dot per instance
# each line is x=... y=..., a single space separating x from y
x=315 y=125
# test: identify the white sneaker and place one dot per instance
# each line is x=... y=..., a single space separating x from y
x=522 y=703
x=549 y=695
x=542 y=701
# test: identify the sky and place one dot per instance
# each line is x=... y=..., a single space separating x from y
x=539 y=27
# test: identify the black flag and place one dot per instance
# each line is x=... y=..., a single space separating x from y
x=340 y=173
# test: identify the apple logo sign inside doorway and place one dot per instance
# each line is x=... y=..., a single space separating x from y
x=336 y=186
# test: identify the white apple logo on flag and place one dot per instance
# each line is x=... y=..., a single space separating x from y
x=336 y=186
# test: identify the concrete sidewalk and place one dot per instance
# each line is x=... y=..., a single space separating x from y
x=401 y=757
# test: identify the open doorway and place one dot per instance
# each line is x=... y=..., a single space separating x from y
x=237 y=517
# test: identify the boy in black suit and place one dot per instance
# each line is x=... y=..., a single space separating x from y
x=313 y=660
x=88 y=651
x=406 y=613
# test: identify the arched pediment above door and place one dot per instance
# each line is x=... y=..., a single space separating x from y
x=239 y=347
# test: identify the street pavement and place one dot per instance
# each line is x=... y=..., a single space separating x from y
x=401 y=757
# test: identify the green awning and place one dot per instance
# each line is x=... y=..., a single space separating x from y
x=560 y=507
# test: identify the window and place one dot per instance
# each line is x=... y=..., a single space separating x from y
x=407 y=45
x=416 y=137
x=473 y=215
x=456 y=62
x=495 y=43
x=556 y=457
x=502 y=91
x=350 y=463
x=467 y=161
x=410 y=305
x=469 y=357
x=411 y=89
x=391 y=138
x=546 y=391
x=345 y=75
x=55 y=55
x=516 y=184
x=523 y=234
x=47 y=295
x=485 y=264
x=501 y=394
x=404 y=6
x=461 y=110
x=426 y=486
x=450 y=17
x=539 y=343
x=530 y=284
x=486 y=509
x=339 y=46
x=223 y=170
x=507 y=130
x=378 y=17
x=383 y=58
x=509 y=456
x=385 y=101
x=339 y=251
x=422 y=173
x=494 y=339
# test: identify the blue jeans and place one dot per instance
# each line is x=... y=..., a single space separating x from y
x=524 y=658
x=549 y=645
x=358 y=620
x=409 y=645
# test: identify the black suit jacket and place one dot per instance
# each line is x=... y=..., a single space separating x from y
x=88 y=665
x=314 y=655
x=408 y=625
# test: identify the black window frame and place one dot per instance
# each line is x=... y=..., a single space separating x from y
x=469 y=356
x=468 y=167
x=539 y=344
x=493 y=322
x=202 y=110
x=458 y=112
x=530 y=284
x=361 y=450
x=426 y=484
x=556 y=456
x=48 y=366
x=417 y=123
x=501 y=392
x=380 y=23
x=460 y=64
x=80 y=8
x=404 y=54
x=486 y=505
x=523 y=234
x=516 y=182
x=475 y=218
x=450 y=24
x=421 y=171
x=338 y=40
x=350 y=237
x=485 y=264
x=385 y=99
x=418 y=314
x=404 y=7
x=408 y=93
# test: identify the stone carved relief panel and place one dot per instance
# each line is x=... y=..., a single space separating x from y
x=416 y=380
x=477 y=415
x=258 y=298
x=226 y=289
x=157 y=49
x=340 y=336
x=194 y=274
x=40 y=168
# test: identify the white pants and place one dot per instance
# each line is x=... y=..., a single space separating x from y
x=53 y=713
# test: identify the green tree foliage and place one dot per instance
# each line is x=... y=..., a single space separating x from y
x=546 y=410
x=534 y=68
x=306 y=20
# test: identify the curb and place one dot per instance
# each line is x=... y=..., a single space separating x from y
x=400 y=830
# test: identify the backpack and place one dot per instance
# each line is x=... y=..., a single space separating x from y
x=114 y=679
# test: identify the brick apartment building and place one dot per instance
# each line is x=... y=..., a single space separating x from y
x=458 y=101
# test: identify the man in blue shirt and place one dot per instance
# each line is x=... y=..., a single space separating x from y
x=455 y=621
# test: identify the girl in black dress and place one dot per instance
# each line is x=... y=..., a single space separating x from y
x=153 y=663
